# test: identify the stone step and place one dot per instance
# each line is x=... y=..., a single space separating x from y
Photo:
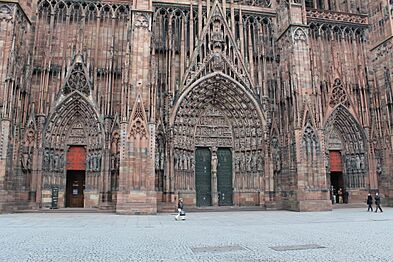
x=225 y=208
x=349 y=205
x=166 y=207
x=66 y=210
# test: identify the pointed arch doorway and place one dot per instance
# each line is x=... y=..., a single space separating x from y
x=76 y=176
x=217 y=147
x=346 y=149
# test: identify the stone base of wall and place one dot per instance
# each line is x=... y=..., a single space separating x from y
x=92 y=199
x=238 y=198
x=7 y=204
x=387 y=201
x=189 y=198
x=305 y=205
x=136 y=202
x=314 y=205
x=358 y=196
x=248 y=198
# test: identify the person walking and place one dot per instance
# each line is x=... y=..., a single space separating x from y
x=370 y=202
x=340 y=196
x=346 y=197
x=377 y=203
x=180 y=207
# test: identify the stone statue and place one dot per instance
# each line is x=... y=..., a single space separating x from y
x=98 y=160
x=214 y=163
x=46 y=161
x=115 y=143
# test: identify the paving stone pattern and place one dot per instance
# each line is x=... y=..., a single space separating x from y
x=345 y=234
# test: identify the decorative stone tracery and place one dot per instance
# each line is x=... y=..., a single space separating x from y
x=338 y=96
x=77 y=80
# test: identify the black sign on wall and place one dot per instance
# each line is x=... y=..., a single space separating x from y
x=55 y=197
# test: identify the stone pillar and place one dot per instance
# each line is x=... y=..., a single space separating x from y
x=214 y=164
x=381 y=82
x=310 y=189
x=137 y=193
x=6 y=196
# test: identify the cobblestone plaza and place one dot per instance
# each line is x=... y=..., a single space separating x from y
x=340 y=235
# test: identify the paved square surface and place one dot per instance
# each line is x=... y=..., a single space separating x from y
x=340 y=235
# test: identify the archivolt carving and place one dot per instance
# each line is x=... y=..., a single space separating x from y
x=73 y=122
x=217 y=112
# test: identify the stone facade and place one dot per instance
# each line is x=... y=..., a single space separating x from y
x=131 y=105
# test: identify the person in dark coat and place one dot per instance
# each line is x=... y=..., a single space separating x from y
x=370 y=202
x=346 y=197
x=377 y=203
x=180 y=207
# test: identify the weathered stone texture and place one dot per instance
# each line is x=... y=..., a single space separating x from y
x=298 y=93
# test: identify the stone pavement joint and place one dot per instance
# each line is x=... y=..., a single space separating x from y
x=296 y=247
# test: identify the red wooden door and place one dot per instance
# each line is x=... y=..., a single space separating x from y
x=335 y=161
x=76 y=158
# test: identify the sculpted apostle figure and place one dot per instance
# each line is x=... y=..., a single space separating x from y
x=214 y=162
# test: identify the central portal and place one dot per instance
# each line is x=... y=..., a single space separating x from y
x=217 y=145
x=213 y=176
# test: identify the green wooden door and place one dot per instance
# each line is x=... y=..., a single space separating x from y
x=224 y=177
x=203 y=176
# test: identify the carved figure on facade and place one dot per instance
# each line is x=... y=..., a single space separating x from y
x=214 y=161
x=379 y=168
x=27 y=151
x=6 y=11
x=276 y=154
x=46 y=161
x=115 y=151
x=98 y=162
x=299 y=35
x=142 y=20
x=61 y=162
x=260 y=163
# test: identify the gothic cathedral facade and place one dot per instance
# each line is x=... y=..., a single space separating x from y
x=129 y=105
